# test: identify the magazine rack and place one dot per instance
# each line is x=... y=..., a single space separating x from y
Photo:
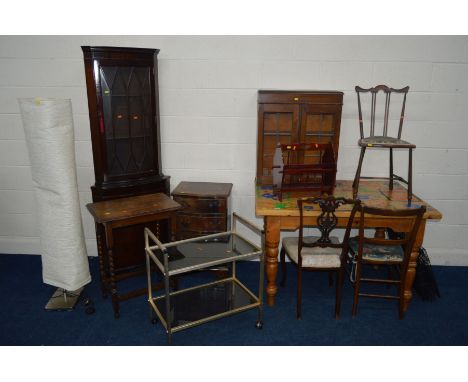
x=308 y=167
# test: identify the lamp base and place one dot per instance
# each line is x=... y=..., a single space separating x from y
x=63 y=299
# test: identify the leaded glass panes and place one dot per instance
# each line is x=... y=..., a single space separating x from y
x=127 y=119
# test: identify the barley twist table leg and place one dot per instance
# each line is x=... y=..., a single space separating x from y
x=113 y=284
x=101 y=257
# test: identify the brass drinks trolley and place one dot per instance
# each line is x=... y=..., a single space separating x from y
x=185 y=308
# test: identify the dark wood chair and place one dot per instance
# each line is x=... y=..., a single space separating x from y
x=383 y=251
x=324 y=253
x=387 y=139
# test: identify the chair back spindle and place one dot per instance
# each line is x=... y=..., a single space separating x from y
x=402 y=117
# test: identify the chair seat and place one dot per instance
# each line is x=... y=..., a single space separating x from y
x=313 y=257
x=380 y=141
x=375 y=252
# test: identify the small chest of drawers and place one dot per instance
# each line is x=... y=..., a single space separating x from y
x=206 y=208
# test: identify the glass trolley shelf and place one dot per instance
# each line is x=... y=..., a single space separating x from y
x=193 y=306
x=188 y=307
x=201 y=252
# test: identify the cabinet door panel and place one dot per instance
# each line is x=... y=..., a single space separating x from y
x=127 y=120
x=278 y=124
x=320 y=124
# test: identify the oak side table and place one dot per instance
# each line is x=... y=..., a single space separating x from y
x=144 y=210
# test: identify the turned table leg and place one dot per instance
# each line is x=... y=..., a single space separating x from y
x=272 y=238
x=411 y=272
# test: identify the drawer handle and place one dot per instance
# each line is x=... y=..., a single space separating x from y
x=296 y=98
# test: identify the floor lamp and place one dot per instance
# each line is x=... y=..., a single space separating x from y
x=48 y=126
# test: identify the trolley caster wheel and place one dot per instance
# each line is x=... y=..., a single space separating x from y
x=259 y=325
x=88 y=302
x=116 y=315
x=154 y=321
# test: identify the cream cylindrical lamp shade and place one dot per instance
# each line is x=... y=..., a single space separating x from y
x=48 y=126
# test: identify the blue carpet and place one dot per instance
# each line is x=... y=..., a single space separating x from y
x=23 y=320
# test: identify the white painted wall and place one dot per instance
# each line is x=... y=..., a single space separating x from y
x=208 y=101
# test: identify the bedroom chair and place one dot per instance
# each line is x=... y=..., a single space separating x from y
x=387 y=140
x=383 y=251
x=324 y=253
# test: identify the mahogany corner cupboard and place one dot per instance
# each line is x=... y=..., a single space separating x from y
x=288 y=117
x=123 y=102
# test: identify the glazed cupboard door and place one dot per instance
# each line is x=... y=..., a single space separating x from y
x=278 y=124
x=127 y=121
x=320 y=124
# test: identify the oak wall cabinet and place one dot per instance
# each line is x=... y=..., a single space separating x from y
x=286 y=117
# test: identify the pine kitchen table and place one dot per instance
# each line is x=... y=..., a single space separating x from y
x=284 y=215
